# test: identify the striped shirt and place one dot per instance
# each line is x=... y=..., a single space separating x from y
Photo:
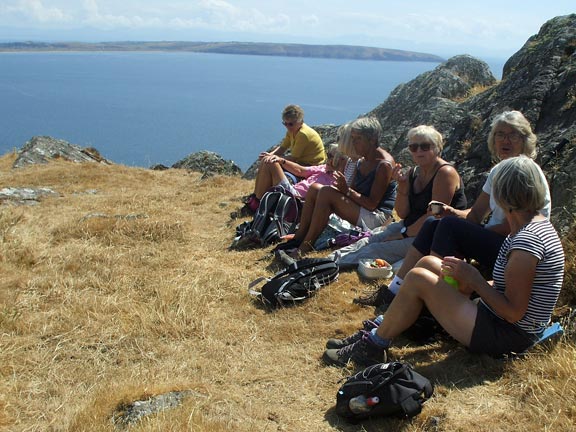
x=541 y=240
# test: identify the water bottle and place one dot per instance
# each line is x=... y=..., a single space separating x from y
x=362 y=404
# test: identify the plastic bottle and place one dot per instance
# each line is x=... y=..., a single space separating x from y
x=451 y=281
x=362 y=404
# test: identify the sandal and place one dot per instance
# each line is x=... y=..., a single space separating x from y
x=290 y=244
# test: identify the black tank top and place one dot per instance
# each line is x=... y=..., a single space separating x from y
x=419 y=201
x=363 y=185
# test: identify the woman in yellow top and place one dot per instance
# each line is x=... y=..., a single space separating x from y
x=301 y=141
x=302 y=145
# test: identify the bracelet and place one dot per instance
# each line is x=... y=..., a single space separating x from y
x=349 y=192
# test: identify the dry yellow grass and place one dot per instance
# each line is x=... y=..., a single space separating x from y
x=98 y=311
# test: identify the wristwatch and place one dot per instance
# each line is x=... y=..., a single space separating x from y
x=404 y=232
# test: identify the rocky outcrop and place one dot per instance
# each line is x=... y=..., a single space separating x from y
x=40 y=149
x=25 y=196
x=460 y=97
x=208 y=163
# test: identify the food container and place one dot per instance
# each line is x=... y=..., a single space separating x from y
x=367 y=270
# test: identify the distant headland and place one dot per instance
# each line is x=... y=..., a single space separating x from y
x=245 y=48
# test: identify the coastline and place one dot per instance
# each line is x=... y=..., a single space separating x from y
x=349 y=52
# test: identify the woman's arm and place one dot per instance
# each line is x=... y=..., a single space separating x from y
x=293 y=167
x=446 y=183
x=377 y=191
x=480 y=209
x=402 y=203
x=519 y=276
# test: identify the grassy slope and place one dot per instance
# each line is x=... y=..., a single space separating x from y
x=96 y=311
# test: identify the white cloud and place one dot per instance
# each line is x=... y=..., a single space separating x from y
x=34 y=10
x=93 y=17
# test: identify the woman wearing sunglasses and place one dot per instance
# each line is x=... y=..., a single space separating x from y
x=368 y=201
x=432 y=178
x=301 y=145
x=512 y=312
x=460 y=233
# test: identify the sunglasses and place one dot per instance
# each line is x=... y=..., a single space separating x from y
x=423 y=146
x=289 y=124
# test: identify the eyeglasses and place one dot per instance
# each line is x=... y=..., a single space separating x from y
x=423 y=146
x=514 y=137
x=289 y=124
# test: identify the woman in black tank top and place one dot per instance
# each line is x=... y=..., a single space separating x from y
x=368 y=198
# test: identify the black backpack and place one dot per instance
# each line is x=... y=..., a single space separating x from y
x=277 y=215
x=392 y=389
x=299 y=281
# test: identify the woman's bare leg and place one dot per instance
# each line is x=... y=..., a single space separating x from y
x=269 y=174
x=424 y=287
x=329 y=200
x=308 y=211
x=409 y=262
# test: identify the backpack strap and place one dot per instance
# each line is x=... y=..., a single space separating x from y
x=280 y=213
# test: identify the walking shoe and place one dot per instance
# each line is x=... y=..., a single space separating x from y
x=381 y=297
x=341 y=343
x=244 y=211
x=363 y=353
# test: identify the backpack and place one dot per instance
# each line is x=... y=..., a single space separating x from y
x=299 y=281
x=391 y=389
x=277 y=215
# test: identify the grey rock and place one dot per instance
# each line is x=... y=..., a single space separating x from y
x=25 y=196
x=209 y=164
x=159 y=167
x=127 y=414
x=40 y=149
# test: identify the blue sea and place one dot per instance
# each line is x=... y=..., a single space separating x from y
x=141 y=109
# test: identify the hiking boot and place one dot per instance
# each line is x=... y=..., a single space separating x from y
x=363 y=353
x=244 y=211
x=341 y=343
x=381 y=297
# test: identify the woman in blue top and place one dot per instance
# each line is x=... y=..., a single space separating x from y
x=368 y=202
x=513 y=312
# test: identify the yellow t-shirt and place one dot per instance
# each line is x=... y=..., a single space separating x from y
x=306 y=148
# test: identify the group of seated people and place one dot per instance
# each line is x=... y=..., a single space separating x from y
x=361 y=183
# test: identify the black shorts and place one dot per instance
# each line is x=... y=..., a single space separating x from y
x=497 y=337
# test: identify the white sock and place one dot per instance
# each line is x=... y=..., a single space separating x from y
x=395 y=284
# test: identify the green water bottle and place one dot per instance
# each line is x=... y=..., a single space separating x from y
x=451 y=281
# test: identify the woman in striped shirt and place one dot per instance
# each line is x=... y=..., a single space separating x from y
x=513 y=312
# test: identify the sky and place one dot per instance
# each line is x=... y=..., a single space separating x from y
x=484 y=29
